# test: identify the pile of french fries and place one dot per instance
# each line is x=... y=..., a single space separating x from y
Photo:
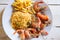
x=21 y=4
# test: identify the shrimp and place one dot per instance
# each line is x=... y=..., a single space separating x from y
x=32 y=31
x=43 y=32
x=42 y=26
x=35 y=25
x=17 y=31
x=21 y=33
x=39 y=21
x=27 y=34
x=36 y=7
x=22 y=36
x=43 y=17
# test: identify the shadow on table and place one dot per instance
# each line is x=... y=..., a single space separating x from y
x=3 y=36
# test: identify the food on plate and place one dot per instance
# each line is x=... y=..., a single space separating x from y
x=20 y=20
x=42 y=17
x=20 y=4
x=29 y=19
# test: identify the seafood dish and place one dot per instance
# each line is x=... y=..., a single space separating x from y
x=28 y=19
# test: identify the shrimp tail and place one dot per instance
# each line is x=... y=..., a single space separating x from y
x=22 y=35
x=43 y=32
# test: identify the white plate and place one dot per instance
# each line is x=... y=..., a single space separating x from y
x=8 y=28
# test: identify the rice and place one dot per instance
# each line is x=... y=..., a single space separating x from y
x=20 y=20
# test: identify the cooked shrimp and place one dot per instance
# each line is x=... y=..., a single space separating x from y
x=34 y=32
x=43 y=17
x=36 y=6
x=18 y=31
x=43 y=32
x=42 y=26
x=22 y=35
x=27 y=34
x=35 y=25
x=31 y=30
x=39 y=21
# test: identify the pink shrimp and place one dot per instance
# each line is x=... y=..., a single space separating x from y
x=35 y=25
x=27 y=34
x=17 y=31
x=39 y=21
x=43 y=32
x=42 y=26
x=21 y=33
x=31 y=31
x=36 y=6
x=43 y=17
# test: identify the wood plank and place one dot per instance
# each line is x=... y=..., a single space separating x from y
x=56 y=20
x=3 y=36
x=52 y=1
x=4 y=1
x=54 y=34
x=47 y=1
x=56 y=15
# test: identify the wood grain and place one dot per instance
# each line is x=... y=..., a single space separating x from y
x=3 y=36
x=47 y=1
x=55 y=14
x=55 y=9
x=52 y=1
x=4 y=1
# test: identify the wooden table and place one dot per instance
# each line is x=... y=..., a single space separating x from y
x=3 y=36
x=55 y=9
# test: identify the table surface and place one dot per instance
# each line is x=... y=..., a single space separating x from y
x=54 y=6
